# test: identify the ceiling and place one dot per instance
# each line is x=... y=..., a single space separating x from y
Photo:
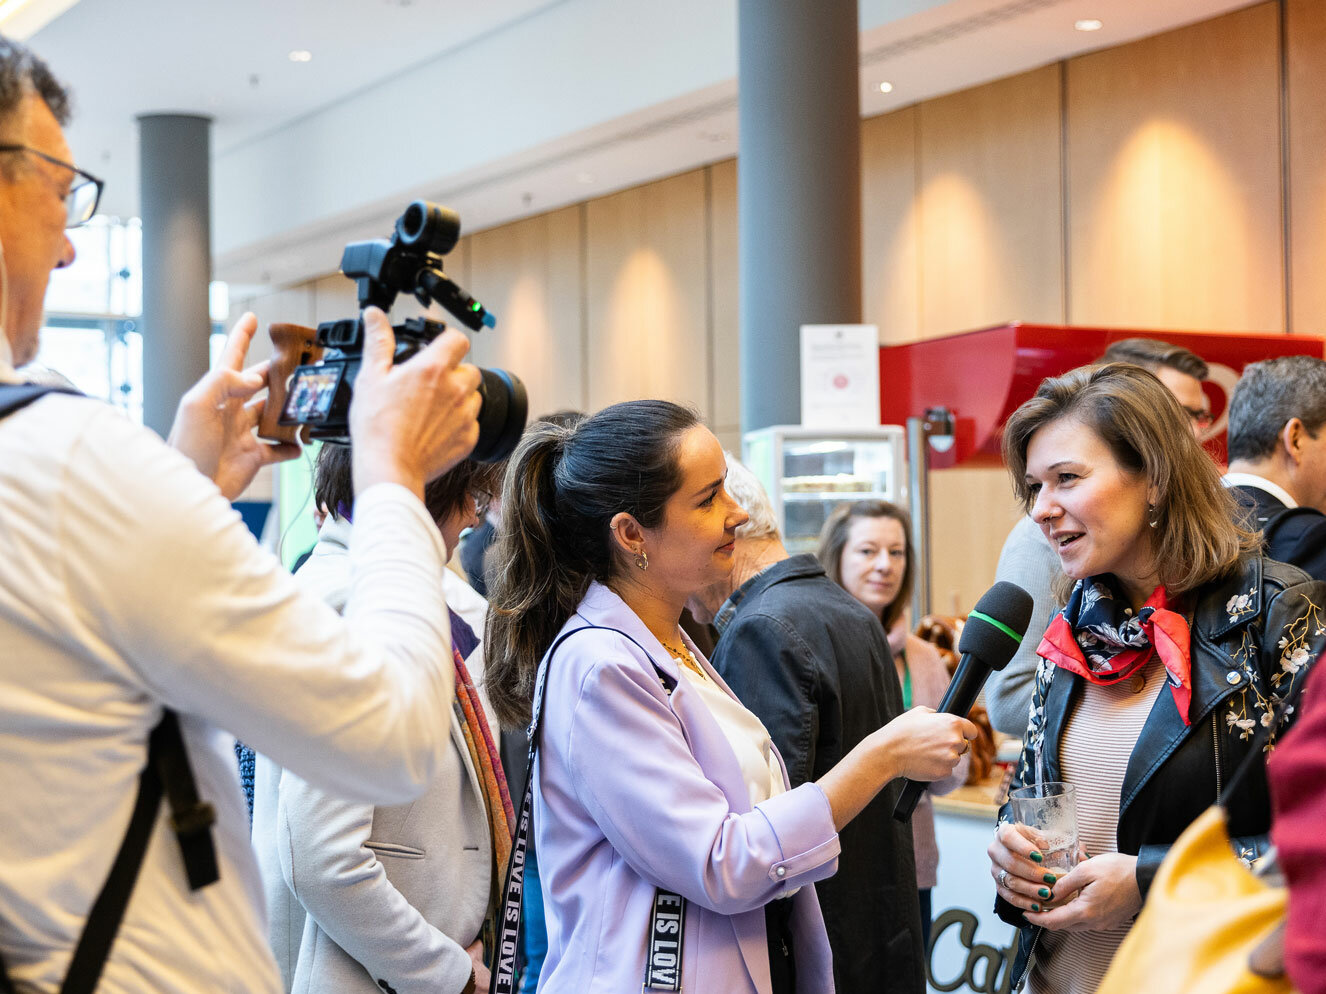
x=501 y=108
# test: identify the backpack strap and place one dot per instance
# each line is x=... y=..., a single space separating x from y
x=167 y=771
x=16 y=396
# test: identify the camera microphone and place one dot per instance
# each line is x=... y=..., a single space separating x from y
x=991 y=635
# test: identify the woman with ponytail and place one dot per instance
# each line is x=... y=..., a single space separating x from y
x=667 y=835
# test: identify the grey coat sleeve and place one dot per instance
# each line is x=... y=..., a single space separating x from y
x=1028 y=561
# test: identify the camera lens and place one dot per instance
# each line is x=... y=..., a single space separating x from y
x=502 y=415
x=428 y=227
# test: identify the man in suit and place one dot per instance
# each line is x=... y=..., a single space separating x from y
x=1277 y=457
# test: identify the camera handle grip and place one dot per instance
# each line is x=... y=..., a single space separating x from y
x=293 y=345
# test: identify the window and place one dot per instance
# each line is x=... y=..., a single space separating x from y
x=93 y=308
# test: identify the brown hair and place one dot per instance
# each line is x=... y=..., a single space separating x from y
x=1151 y=354
x=1196 y=536
x=333 y=483
x=833 y=539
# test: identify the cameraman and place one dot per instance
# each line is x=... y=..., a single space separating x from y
x=128 y=585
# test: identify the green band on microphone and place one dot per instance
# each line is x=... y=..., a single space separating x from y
x=998 y=624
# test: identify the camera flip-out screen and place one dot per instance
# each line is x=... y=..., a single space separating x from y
x=312 y=390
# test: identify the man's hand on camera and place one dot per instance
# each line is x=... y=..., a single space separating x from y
x=413 y=422
x=215 y=420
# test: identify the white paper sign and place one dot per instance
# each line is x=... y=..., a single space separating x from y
x=839 y=376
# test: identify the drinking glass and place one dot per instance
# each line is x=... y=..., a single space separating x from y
x=1050 y=810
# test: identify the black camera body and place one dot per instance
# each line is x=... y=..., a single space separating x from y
x=319 y=392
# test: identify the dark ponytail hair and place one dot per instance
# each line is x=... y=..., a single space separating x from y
x=562 y=488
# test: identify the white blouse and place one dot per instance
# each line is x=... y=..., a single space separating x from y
x=745 y=733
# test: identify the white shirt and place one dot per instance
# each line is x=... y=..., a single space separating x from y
x=1260 y=483
x=745 y=733
x=128 y=582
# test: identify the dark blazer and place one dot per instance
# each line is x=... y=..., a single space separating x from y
x=1296 y=536
x=813 y=663
x=1254 y=635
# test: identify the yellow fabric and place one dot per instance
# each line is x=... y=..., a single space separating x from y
x=1204 y=915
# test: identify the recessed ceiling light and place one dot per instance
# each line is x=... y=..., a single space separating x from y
x=886 y=87
x=1088 y=24
x=301 y=55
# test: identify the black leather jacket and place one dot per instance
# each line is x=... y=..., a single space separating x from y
x=1254 y=634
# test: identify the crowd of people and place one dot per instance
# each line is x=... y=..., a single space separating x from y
x=674 y=818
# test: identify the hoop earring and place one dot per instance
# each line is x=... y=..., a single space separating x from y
x=642 y=560
x=1153 y=518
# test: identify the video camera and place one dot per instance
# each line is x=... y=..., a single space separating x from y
x=320 y=366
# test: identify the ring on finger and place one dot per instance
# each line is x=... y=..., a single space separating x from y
x=1003 y=879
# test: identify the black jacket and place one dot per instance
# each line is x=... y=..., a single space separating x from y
x=814 y=664
x=1293 y=535
x=1240 y=670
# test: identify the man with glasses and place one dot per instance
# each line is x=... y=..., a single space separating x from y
x=1277 y=457
x=135 y=607
x=1027 y=558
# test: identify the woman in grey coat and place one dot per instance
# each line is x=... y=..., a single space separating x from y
x=388 y=898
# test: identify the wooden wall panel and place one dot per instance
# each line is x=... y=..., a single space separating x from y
x=990 y=205
x=529 y=272
x=725 y=330
x=971 y=513
x=1306 y=30
x=1174 y=179
x=646 y=294
x=891 y=283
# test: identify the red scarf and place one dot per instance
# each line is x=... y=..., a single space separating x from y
x=1093 y=621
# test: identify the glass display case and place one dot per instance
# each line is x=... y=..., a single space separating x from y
x=809 y=471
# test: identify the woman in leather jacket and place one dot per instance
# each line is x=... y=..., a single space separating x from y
x=1178 y=639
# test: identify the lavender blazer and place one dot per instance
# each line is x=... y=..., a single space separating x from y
x=636 y=790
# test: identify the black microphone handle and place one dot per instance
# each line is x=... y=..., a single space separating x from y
x=962 y=692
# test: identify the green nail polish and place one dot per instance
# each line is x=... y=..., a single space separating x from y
x=1043 y=892
x=1035 y=907
x=1036 y=857
x=1050 y=878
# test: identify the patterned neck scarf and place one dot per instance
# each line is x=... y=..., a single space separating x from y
x=485 y=757
x=1097 y=637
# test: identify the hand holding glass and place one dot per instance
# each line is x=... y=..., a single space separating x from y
x=1050 y=811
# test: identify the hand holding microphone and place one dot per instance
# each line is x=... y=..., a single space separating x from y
x=990 y=637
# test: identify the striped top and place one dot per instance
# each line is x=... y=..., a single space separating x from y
x=1096 y=744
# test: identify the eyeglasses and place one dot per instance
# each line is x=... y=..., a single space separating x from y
x=1201 y=418
x=80 y=203
x=482 y=501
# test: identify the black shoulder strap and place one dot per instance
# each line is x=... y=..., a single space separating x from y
x=167 y=770
x=663 y=965
x=16 y=396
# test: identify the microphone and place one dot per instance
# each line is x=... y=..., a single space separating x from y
x=990 y=637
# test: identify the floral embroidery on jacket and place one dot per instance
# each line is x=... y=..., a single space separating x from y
x=1295 y=657
x=1240 y=604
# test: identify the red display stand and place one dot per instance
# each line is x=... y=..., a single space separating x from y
x=982 y=376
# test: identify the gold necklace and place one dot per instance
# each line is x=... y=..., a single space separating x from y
x=685 y=657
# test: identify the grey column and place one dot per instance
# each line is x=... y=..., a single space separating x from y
x=175 y=202
x=799 y=191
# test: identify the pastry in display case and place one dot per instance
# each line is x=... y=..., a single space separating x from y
x=808 y=472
